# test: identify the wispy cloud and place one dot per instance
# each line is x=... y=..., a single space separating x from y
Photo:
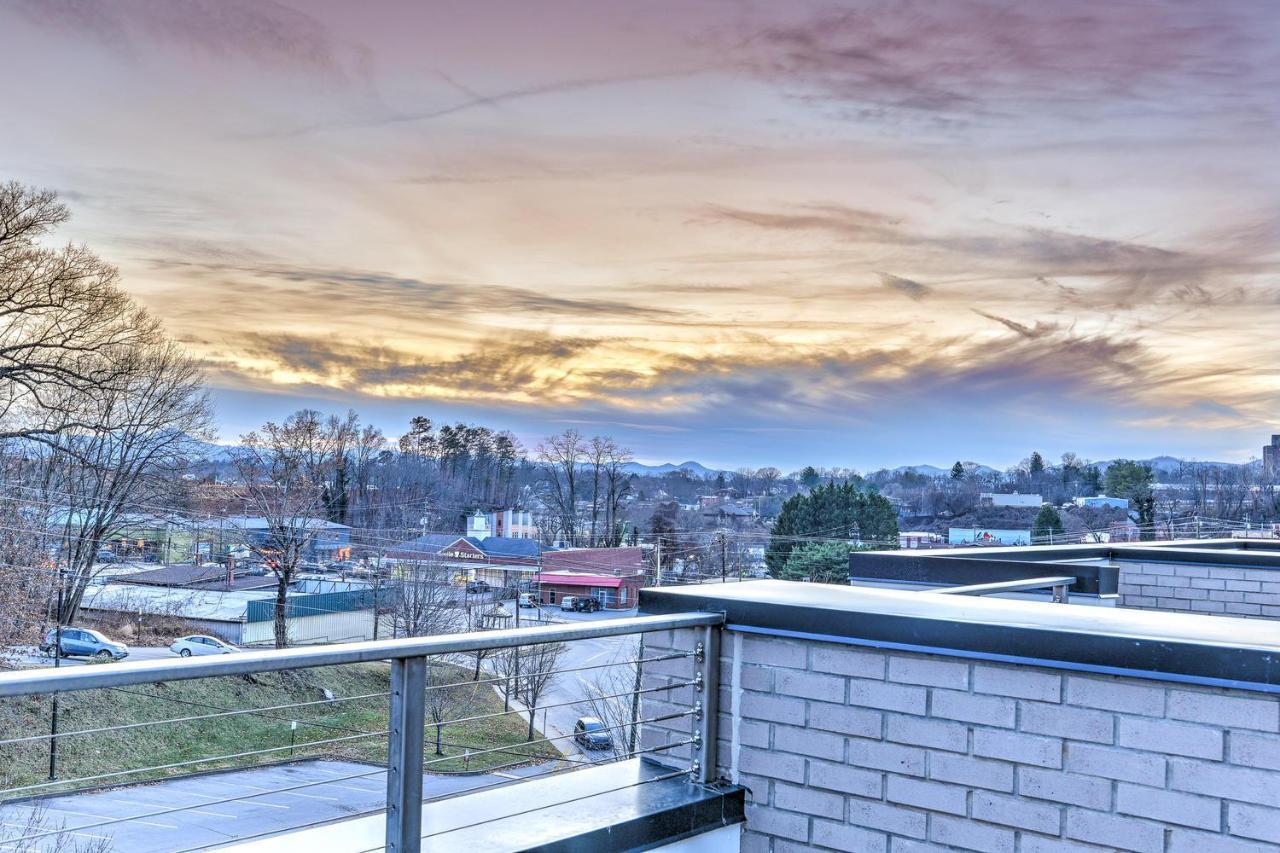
x=263 y=32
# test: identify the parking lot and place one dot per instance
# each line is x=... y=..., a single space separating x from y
x=198 y=812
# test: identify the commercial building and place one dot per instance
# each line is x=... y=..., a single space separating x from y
x=919 y=539
x=987 y=536
x=1102 y=502
x=244 y=617
x=1009 y=499
x=612 y=591
x=504 y=524
x=1271 y=459
x=328 y=539
x=496 y=560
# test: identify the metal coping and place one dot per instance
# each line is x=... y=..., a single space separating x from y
x=969 y=566
x=1211 y=650
x=33 y=682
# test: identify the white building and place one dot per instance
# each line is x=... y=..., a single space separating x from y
x=243 y=617
x=1010 y=499
x=505 y=524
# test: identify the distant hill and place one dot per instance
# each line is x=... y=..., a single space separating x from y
x=695 y=468
x=935 y=471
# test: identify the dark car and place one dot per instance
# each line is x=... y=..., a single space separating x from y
x=583 y=604
x=83 y=642
x=477 y=587
x=592 y=733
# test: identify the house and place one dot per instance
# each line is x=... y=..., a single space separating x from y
x=723 y=514
x=1009 y=499
x=613 y=592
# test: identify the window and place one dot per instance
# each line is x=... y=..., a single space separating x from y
x=622 y=595
x=551 y=596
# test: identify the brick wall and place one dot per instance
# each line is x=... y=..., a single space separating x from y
x=1218 y=590
x=845 y=748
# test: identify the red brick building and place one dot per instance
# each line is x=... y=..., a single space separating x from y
x=613 y=592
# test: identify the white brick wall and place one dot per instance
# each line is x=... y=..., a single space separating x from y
x=1217 y=590
x=849 y=749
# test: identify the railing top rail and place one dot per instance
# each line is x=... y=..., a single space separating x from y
x=34 y=682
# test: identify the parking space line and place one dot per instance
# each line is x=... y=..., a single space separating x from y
x=108 y=817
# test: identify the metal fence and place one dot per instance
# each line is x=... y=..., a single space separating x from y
x=403 y=716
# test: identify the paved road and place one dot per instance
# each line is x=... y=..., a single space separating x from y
x=570 y=689
x=194 y=813
x=32 y=656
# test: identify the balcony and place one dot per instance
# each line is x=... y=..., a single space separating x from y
x=772 y=716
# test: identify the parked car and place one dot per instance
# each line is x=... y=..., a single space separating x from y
x=566 y=603
x=592 y=733
x=586 y=604
x=527 y=599
x=477 y=587
x=84 y=642
x=201 y=644
x=106 y=556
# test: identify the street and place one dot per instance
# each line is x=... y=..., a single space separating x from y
x=572 y=686
x=32 y=656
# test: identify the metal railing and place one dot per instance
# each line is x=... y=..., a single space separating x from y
x=1059 y=586
x=407 y=720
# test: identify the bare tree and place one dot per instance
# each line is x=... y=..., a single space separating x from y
x=768 y=478
x=617 y=486
x=527 y=672
x=285 y=471
x=426 y=600
x=66 y=330
x=563 y=455
x=612 y=697
x=145 y=423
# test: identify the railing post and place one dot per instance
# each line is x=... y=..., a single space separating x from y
x=404 y=755
x=1061 y=594
x=707 y=696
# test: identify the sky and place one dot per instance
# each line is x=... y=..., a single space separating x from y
x=856 y=234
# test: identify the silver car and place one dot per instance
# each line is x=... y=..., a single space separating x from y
x=201 y=644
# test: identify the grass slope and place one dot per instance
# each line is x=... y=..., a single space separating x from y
x=196 y=744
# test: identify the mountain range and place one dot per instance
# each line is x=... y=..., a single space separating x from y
x=222 y=453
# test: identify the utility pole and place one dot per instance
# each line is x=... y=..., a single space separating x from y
x=724 y=575
x=657 y=560
x=57 y=662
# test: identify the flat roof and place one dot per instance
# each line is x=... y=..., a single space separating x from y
x=1193 y=648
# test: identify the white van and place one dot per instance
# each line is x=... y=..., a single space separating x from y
x=566 y=603
x=527 y=599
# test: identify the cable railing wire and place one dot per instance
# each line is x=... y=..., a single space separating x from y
x=190 y=763
x=372 y=773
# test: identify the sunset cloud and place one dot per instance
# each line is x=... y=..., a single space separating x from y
x=908 y=232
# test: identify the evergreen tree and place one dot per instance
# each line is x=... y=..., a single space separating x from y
x=831 y=512
x=957 y=471
x=820 y=562
x=809 y=477
x=1035 y=466
x=1047 y=525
